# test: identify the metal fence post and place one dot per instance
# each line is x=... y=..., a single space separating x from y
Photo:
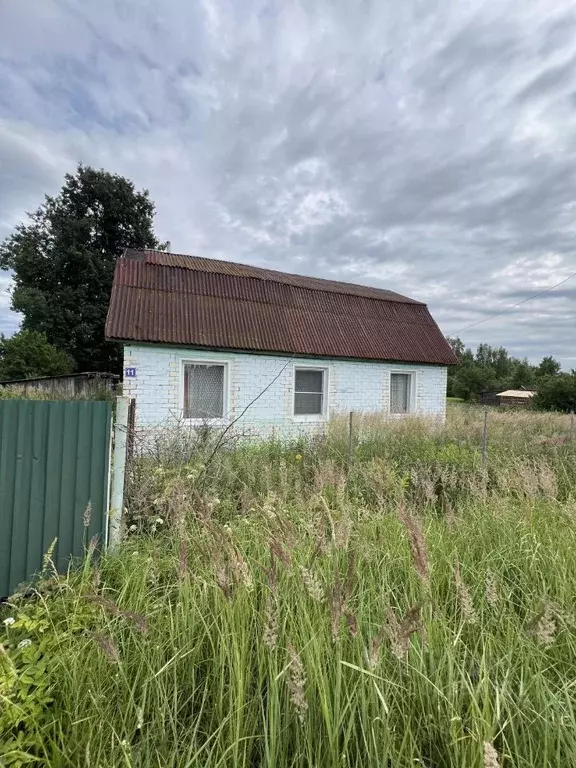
x=350 y=439
x=118 y=471
x=485 y=438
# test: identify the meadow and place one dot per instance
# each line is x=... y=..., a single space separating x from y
x=282 y=605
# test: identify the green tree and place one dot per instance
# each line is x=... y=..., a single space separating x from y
x=63 y=261
x=28 y=354
x=548 y=366
x=472 y=378
x=523 y=375
x=557 y=393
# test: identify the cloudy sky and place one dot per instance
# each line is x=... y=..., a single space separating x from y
x=424 y=146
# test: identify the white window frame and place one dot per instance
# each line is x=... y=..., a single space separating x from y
x=226 y=394
x=304 y=417
x=411 y=394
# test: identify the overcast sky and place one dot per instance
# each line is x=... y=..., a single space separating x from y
x=424 y=146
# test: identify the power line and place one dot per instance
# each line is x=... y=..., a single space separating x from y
x=504 y=311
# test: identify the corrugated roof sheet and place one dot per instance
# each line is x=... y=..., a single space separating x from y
x=175 y=299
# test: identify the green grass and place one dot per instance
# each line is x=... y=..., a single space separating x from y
x=256 y=615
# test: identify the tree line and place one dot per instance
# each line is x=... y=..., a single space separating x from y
x=494 y=369
x=62 y=261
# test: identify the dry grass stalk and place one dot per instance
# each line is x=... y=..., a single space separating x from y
x=182 y=560
x=490 y=756
x=240 y=569
x=373 y=652
x=467 y=609
x=418 y=546
x=278 y=551
x=221 y=572
x=449 y=516
x=110 y=606
x=92 y=544
x=296 y=679
x=352 y=623
x=87 y=516
x=400 y=632
x=342 y=529
x=341 y=594
x=107 y=645
x=336 y=606
x=202 y=507
x=272 y=574
x=47 y=562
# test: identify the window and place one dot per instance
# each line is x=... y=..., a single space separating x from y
x=400 y=392
x=204 y=390
x=309 y=394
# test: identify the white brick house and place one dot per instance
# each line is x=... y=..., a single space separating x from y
x=208 y=341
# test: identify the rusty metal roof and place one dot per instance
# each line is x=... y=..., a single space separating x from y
x=175 y=299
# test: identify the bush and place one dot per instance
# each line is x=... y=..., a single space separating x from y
x=28 y=355
x=557 y=393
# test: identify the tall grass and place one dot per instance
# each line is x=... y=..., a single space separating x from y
x=274 y=607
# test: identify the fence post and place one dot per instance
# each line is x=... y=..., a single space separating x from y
x=118 y=471
x=485 y=438
x=572 y=425
x=350 y=439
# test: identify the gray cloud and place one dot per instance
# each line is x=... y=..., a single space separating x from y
x=425 y=147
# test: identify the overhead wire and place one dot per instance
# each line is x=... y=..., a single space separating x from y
x=513 y=306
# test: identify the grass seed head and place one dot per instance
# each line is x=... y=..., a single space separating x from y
x=297 y=683
x=107 y=644
x=271 y=626
x=278 y=551
x=544 y=627
x=400 y=632
x=491 y=592
x=467 y=609
x=352 y=623
x=312 y=584
x=418 y=546
x=241 y=571
x=490 y=756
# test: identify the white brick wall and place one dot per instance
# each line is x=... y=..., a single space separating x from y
x=353 y=386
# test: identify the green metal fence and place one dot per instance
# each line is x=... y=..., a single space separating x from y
x=54 y=461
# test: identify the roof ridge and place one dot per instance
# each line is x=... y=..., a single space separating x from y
x=139 y=254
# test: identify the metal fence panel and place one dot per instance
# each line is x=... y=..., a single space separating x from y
x=54 y=461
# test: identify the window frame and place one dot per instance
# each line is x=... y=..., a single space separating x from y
x=218 y=420
x=314 y=417
x=411 y=393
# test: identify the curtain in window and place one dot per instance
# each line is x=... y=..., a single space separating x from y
x=204 y=391
x=400 y=392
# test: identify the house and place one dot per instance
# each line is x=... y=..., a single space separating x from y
x=209 y=341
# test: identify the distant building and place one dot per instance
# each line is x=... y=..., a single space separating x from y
x=518 y=398
x=515 y=398
x=73 y=385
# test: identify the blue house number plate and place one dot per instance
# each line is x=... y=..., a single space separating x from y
x=129 y=373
